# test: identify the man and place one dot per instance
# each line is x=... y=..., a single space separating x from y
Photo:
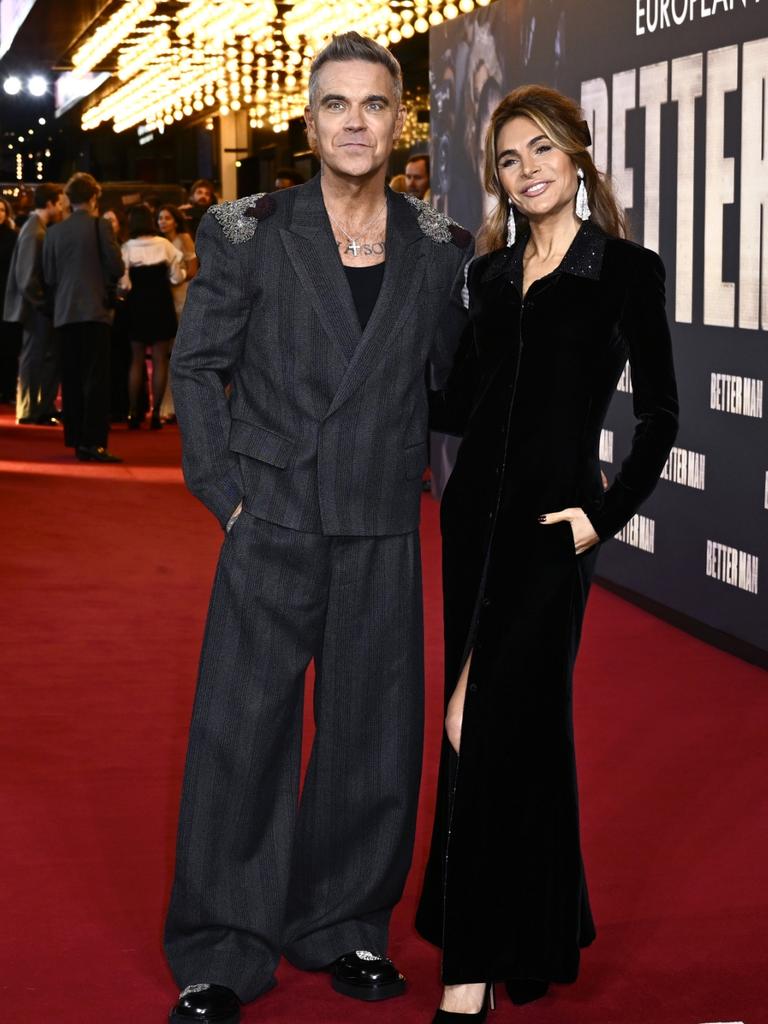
x=81 y=262
x=417 y=176
x=25 y=304
x=313 y=465
x=202 y=195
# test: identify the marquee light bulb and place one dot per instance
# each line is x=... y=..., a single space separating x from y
x=12 y=85
x=37 y=85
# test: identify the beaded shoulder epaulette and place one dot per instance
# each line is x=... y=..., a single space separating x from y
x=239 y=218
x=436 y=225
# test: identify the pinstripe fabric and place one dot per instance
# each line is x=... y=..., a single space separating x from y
x=325 y=426
x=258 y=873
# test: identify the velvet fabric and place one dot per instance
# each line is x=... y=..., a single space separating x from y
x=505 y=892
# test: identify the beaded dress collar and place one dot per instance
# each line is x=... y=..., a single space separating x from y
x=584 y=257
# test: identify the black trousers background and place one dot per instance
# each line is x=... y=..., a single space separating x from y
x=39 y=368
x=85 y=383
x=258 y=872
x=10 y=346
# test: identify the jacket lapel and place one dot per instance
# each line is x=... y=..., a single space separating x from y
x=311 y=248
x=395 y=306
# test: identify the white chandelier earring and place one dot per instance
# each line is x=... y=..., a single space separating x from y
x=582 y=202
x=511 y=226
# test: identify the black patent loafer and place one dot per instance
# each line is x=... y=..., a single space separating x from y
x=209 y=1004
x=366 y=976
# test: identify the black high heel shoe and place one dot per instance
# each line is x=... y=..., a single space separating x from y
x=526 y=990
x=448 y=1017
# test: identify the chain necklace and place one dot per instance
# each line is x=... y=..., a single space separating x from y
x=354 y=246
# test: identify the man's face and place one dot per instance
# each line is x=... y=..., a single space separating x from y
x=55 y=211
x=355 y=123
x=416 y=178
x=202 y=196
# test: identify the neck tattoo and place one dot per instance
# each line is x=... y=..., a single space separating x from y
x=361 y=248
x=356 y=246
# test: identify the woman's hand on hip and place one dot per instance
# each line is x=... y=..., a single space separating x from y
x=584 y=535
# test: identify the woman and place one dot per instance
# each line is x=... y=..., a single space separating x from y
x=557 y=305
x=172 y=225
x=152 y=265
x=10 y=333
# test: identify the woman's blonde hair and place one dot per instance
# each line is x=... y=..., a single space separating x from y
x=561 y=120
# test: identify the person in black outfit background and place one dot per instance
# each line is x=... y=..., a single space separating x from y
x=10 y=333
x=556 y=308
x=81 y=263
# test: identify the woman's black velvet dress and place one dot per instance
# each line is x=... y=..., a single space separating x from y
x=504 y=893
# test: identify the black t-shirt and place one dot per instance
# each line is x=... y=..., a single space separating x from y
x=365 y=283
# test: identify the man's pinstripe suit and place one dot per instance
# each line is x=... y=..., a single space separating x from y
x=320 y=429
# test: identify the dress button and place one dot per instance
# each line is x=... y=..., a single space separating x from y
x=486 y=601
x=473 y=687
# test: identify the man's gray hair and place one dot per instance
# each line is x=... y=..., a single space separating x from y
x=353 y=46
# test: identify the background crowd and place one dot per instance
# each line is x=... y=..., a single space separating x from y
x=91 y=292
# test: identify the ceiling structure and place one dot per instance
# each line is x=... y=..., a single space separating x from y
x=173 y=60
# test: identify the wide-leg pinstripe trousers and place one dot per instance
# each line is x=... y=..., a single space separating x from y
x=260 y=872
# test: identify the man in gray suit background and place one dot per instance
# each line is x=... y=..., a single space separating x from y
x=298 y=376
x=25 y=304
x=81 y=262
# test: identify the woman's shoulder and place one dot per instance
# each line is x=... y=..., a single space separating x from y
x=487 y=262
x=170 y=246
x=183 y=242
x=632 y=257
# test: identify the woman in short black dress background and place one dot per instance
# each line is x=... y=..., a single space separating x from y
x=148 y=316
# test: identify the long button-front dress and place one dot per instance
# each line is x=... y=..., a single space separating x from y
x=505 y=894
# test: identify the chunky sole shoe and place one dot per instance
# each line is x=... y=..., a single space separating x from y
x=208 y=1004
x=363 y=975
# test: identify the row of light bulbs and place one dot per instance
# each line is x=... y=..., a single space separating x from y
x=234 y=55
x=24 y=141
x=36 y=85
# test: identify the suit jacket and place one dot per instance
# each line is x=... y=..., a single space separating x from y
x=323 y=426
x=25 y=292
x=77 y=272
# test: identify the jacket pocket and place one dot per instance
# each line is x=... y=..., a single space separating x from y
x=259 y=443
x=415 y=460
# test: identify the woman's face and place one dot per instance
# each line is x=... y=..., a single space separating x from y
x=166 y=223
x=539 y=178
x=3 y=213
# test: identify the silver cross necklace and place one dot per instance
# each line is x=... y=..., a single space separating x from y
x=354 y=245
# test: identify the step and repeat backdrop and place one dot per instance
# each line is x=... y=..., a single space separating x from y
x=676 y=92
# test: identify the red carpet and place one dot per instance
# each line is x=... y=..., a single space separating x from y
x=106 y=573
